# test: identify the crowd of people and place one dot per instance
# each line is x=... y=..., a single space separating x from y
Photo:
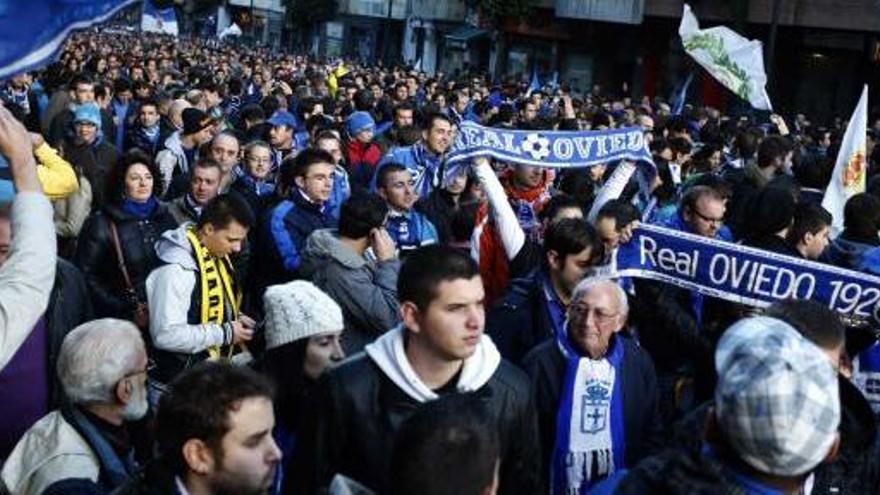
x=229 y=270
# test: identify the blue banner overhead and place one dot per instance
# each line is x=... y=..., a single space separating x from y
x=554 y=149
x=743 y=274
x=32 y=32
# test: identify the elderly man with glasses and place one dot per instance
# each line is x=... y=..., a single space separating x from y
x=595 y=390
x=86 y=446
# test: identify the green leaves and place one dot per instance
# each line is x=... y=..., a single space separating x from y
x=714 y=47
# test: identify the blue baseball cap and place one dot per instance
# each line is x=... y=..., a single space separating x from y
x=282 y=117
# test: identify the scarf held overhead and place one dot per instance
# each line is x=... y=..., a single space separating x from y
x=553 y=149
x=216 y=288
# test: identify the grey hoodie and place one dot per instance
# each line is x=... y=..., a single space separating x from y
x=366 y=290
x=169 y=294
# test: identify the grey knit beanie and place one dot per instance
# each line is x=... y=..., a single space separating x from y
x=298 y=310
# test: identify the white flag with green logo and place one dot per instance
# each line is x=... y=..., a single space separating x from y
x=736 y=62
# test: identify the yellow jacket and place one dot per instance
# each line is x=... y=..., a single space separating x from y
x=333 y=79
x=55 y=174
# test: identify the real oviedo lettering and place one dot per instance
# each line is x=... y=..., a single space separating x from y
x=742 y=274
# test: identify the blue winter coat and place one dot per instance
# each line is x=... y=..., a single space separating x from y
x=410 y=230
x=424 y=165
x=283 y=234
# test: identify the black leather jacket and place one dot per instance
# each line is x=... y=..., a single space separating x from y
x=358 y=410
x=97 y=259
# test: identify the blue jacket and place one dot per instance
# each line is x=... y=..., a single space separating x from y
x=410 y=230
x=424 y=165
x=341 y=191
x=521 y=319
x=846 y=252
x=870 y=261
x=284 y=233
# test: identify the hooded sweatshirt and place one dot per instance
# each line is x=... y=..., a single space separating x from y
x=170 y=289
x=390 y=356
x=366 y=290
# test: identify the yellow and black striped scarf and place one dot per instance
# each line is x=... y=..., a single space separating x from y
x=217 y=289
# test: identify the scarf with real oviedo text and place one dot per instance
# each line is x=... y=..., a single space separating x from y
x=216 y=289
x=589 y=423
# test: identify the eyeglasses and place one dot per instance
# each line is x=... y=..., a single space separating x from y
x=147 y=369
x=583 y=311
x=710 y=220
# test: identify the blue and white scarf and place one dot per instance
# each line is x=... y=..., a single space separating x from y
x=590 y=441
x=553 y=149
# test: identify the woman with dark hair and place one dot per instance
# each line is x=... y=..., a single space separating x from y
x=303 y=330
x=115 y=251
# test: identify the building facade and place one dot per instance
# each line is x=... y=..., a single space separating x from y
x=627 y=47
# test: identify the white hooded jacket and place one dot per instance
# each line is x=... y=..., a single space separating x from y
x=389 y=355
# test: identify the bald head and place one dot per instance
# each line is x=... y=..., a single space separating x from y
x=175 y=112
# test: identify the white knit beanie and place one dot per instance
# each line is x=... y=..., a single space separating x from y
x=298 y=310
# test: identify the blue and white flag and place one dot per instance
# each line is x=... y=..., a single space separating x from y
x=157 y=20
x=743 y=274
x=32 y=32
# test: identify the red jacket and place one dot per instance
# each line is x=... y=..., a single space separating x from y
x=359 y=153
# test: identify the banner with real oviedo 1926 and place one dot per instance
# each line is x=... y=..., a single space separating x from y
x=743 y=274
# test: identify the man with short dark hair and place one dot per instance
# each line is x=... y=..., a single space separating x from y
x=306 y=183
x=448 y=447
x=533 y=308
x=438 y=349
x=861 y=223
x=214 y=434
x=408 y=228
x=423 y=158
x=402 y=117
x=774 y=159
x=204 y=185
x=180 y=151
x=810 y=233
x=194 y=297
x=338 y=263
x=146 y=132
x=614 y=223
